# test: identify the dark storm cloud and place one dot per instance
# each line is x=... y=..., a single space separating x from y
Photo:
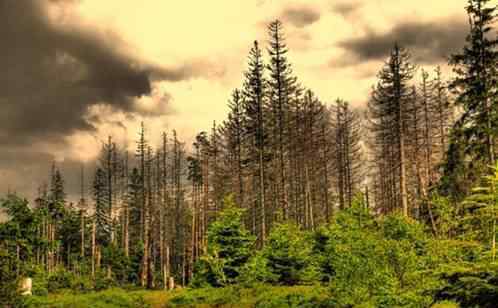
x=23 y=170
x=52 y=72
x=428 y=42
x=300 y=16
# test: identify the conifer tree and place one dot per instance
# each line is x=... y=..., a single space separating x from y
x=254 y=92
x=281 y=86
x=475 y=88
x=388 y=116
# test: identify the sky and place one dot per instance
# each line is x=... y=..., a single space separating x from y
x=75 y=71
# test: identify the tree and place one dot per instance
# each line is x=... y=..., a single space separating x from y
x=288 y=255
x=281 y=87
x=233 y=130
x=141 y=154
x=254 y=91
x=475 y=88
x=388 y=118
x=102 y=216
x=230 y=246
x=482 y=205
x=347 y=166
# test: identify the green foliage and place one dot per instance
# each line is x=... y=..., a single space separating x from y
x=230 y=246
x=445 y=304
x=260 y=296
x=355 y=217
x=102 y=282
x=209 y=296
x=112 y=298
x=256 y=271
x=481 y=208
x=288 y=256
x=452 y=252
x=475 y=131
x=8 y=281
x=398 y=227
x=474 y=286
x=121 y=265
x=374 y=263
x=19 y=231
x=60 y=279
x=446 y=216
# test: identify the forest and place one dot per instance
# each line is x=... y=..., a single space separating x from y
x=289 y=202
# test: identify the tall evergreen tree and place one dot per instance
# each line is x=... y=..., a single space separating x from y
x=281 y=87
x=475 y=88
x=388 y=115
x=254 y=92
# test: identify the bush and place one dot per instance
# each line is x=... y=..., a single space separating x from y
x=60 y=279
x=230 y=246
x=120 y=264
x=256 y=271
x=8 y=281
x=288 y=256
x=295 y=297
x=207 y=296
x=82 y=284
x=259 y=296
x=373 y=263
x=475 y=286
x=102 y=282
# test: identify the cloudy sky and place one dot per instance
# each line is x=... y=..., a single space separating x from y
x=74 y=71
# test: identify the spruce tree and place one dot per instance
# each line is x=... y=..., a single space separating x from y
x=254 y=92
x=281 y=87
x=475 y=88
x=388 y=116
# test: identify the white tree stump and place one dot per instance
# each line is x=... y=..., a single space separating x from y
x=26 y=286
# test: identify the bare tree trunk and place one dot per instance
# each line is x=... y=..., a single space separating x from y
x=93 y=248
x=82 y=253
x=167 y=269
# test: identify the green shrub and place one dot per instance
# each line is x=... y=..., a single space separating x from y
x=207 y=296
x=256 y=271
x=120 y=264
x=82 y=284
x=292 y=297
x=230 y=246
x=475 y=286
x=373 y=263
x=398 y=227
x=288 y=256
x=60 y=279
x=8 y=281
x=259 y=296
x=102 y=282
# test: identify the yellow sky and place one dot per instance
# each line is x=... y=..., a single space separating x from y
x=220 y=33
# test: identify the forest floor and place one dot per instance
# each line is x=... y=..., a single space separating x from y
x=262 y=296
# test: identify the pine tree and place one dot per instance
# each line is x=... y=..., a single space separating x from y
x=254 y=92
x=347 y=167
x=233 y=131
x=388 y=116
x=281 y=86
x=475 y=88
x=102 y=217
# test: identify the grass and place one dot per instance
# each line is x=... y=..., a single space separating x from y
x=259 y=296
x=104 y=299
